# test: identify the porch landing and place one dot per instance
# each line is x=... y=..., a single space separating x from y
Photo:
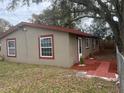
x=98 y=68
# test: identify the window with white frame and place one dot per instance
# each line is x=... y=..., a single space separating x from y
x=11 y=47
x=46 y=46
x=87 y=42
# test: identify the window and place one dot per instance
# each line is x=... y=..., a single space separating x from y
x=46 y=46
x=11 y=47
x=87 y=42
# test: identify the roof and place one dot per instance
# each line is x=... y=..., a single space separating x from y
x=42 y=26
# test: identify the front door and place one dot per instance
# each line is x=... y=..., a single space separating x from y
x=79 y=48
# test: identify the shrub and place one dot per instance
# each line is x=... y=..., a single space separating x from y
x=81 y=60
x=90 y=55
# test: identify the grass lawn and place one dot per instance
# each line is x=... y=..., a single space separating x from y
x=26 y=78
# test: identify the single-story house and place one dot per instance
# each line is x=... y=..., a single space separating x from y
x=43 y=44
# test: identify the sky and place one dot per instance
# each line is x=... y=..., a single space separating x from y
x=24 y=13
x=20 y=14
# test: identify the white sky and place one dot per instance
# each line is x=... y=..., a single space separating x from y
x=24 y=13
x=21 y=13
x=85 y=23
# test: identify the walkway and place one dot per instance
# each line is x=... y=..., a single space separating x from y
x=104 y=65
x=102 y=71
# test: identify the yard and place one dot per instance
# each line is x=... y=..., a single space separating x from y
x=26 y=78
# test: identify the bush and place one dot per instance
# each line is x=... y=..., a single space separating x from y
x=90 y=55
x=81 y=60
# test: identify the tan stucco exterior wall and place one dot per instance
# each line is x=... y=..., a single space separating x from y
x=96 y=49
x=86 y=50
x=28 y=49
x=73 y=48
x=90 y=49
x=20 y=46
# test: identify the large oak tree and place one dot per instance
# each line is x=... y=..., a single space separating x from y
x=57 y=15
x=112 y=11
x=4 y=25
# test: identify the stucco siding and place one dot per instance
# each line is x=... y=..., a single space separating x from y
x=73 y=48
x=96 y=49
x=90 y=49
x=87 y=50
x=61 y=47
x=20 y=46
x=27 y=46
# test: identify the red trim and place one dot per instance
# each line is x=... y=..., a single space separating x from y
x=7 y=47
x=56 y=28
x=50 y=35
x=43 y=26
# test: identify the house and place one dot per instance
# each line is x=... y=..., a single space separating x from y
x=43 y=44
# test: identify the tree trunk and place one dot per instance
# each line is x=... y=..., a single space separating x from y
x=122 y=39
x=121 y=27
x=118 y=35
x=119 y=38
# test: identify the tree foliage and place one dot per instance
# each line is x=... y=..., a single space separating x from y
x=106 y=10
x=56 y=15
x=14 y=3
x=4 y=25
x=100 y=28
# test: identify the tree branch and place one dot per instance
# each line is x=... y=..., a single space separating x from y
x=75 y=19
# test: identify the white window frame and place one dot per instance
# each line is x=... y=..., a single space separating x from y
x=8 y=48
x=45 y=37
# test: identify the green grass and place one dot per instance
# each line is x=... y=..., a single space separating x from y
x=27 y=78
